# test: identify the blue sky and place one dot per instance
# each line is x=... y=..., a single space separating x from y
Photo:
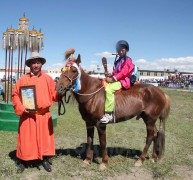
x=159 y=32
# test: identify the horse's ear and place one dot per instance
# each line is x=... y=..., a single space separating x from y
x=78 y=60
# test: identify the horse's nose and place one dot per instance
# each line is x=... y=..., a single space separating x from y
x=60 y=89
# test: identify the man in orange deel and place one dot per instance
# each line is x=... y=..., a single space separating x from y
x=35 y=134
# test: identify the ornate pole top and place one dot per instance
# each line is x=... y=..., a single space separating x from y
x=11 y=30
x=33 y=32
x=24 y=18
x=20 y=30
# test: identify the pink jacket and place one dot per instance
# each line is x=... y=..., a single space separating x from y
x=124 y=71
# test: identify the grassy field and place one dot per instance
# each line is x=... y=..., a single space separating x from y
x=124 y=142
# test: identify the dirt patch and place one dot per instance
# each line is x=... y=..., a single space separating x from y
x=135 y=174
x=184 y=172
x=32 y=175
x=190 y=157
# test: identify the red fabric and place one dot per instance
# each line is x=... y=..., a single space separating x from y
x=35 y=133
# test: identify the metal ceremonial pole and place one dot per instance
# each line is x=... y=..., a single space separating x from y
x=40 y=40
x=21 y=62
x=8 y=76
x=11 y=72
x=26 y=46
x=33 y=40
x=5 y=74
x=19 y=43
x=19 y=52
x=11 y=47
x=24 y=39
x=5 y=46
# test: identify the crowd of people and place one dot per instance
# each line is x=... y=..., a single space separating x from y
x=177 y=81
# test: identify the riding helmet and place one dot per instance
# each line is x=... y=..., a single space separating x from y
x=122 y=44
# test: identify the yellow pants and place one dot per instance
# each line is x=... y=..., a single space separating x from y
x=109 y=95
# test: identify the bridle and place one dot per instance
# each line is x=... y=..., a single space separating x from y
x=60 y=101
x=71 y=80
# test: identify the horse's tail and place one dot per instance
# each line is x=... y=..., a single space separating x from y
x=160 y=140
x=166 y=109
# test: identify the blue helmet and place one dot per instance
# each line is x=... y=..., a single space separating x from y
x=122 y=44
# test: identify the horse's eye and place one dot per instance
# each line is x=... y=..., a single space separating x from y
x=74 y=71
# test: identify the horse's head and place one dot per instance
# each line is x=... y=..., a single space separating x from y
x=70 y=75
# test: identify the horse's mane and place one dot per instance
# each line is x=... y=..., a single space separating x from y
x=96 y=82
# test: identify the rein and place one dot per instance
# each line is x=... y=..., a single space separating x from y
x=80 y=93
x=61 y=104
x=89 y=93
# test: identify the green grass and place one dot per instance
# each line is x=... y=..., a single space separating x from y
x=124 y=141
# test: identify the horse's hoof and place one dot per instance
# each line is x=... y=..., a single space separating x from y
x=102 y=167
x=152 y=160
x=86 y=162
x=138 y=163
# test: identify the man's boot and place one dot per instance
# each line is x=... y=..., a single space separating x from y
x=46 y=164
x=20 y=166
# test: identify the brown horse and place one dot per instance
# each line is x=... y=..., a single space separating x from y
x=141 y=101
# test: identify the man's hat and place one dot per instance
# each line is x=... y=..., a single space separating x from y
x=35 y=55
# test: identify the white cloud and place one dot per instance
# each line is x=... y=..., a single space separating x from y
x=180 y=60
x=184 y=64
x=55 y=66
x=143 y=61
x=94 y=62
x=179 y=63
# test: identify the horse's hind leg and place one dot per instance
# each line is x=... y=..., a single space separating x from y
x=150 y=127
x=154 y=156
x=159 y=141
x=102 y=138
x=89 y=150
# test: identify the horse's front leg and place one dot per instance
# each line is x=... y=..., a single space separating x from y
x=89 y=150
x=102 y=139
